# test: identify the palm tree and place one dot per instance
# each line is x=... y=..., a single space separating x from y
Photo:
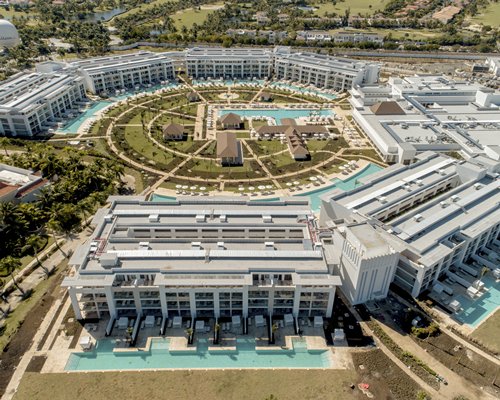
x=4 y=142
x=484 y=271
x=9 y=264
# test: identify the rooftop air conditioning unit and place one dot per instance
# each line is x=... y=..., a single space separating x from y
x=154 y=218
x=144 y=245
x=382 y=199
x=478 y=186
x=196 y=245
x=269 y=245
x=418 y=217
x=454 y=198
x=420 y=182
x=220 y=245
x=200 y=218
x=443 y=204
x=223 y=218
x=108 y=218
x=442 y=171
x=267 y=218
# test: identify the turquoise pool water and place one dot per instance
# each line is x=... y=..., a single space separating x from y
x=245 y=356
x=154 y=88
x=276 y=113
x=475 y=311
x=303 y=90
x=349 y=184
x=314 y=196
x=157 y=197
x=227 y=82
x=73 y=125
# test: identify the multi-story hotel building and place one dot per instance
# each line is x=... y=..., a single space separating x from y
x=128 y=71
x=413 y=225
x=105 y=75
x=33 y=102
x=219 y=256
x=218 y=62
x=415 y=114
x=323 y=71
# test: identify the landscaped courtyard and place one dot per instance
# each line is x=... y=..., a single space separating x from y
x=134 y=129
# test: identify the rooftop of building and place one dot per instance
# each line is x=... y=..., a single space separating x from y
x=433 y=224
x=27 y=91
x=214 y=235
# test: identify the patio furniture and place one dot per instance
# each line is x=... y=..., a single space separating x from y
x=260 y=321
x=177 y=322
x=86 y=343
x=123 y=323
x=455 y=305
x=288 y=319
x=318 y=322
x=236 y=320
x=200 y=325
x=149 y=322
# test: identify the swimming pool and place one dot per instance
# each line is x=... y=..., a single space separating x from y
x=476 y=311
x=303 y=90
x=159 y=356
x=346 y=185
x=158 y=197
x=314 y=196
x=276 y=113
x=227 y=82
x=72 y=126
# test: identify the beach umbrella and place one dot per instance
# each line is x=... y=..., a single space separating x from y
x=313 y=178
x=261 y=187
x=185 y=187
x=269 y=186
x=178 y=186
x=251 y=188
x=296 y=183
x=241 y=189
x=203 y=188
x=289 y=183
x=193 y=187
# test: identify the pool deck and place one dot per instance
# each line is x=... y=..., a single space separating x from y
x=285 y=192
x=58 y=355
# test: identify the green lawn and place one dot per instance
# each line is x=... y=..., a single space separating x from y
x=364 y=7
x=144 y=7
x=191 y=16
x=209 y=385
x=488 y=331
x=136 y=139
x=488 y=16
x=418 y=34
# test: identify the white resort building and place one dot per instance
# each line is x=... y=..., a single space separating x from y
x=105 y=75
x=413 y=225
x=209 y=257
x=34 y=102
x=323 y=71
x=219 y=62
x=31 y=103
x=415 y=114
x=20 y=185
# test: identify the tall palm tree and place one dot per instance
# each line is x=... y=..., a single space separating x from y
x=9 y=264
x=4 y=142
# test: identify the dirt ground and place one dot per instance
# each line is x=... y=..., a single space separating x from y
x=206 y=385
x=21 y=341
x=386 y=379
